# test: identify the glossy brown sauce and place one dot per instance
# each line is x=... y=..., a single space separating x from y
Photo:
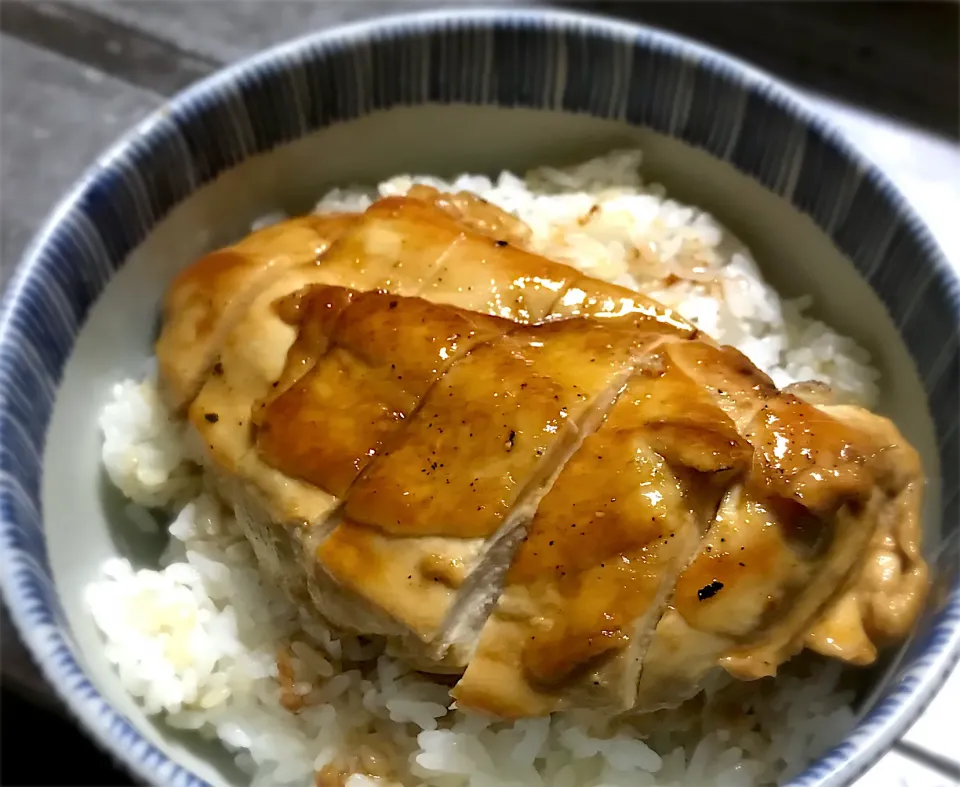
x=589 y=298
x=197 y=286
x=314 y=311
x=339 y=396
x=622 y=517
x=807 y=456
x=484 y=430
x=366 y=361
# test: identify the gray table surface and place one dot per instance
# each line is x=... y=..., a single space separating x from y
x=74 y=75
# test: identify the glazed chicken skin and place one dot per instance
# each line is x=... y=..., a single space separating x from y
x=550 y=486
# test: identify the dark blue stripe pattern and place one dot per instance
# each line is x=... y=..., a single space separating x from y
x=536 y=59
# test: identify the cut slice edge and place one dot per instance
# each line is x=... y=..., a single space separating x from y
x=463 y=623
x=452 y=628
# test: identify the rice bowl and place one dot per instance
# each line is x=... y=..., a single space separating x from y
x=204 y=643
x=819 y=215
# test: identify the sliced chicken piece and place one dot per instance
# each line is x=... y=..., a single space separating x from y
x=442 y=249
x=885 y=597
x=396 y=245
x=250 y=359
x=267 y=503
x=278 y=512
x=390 y=421
x=383 y=356
x=204 y=301
x=489 y=426
x=602 y=554
x=375 y=366
x=784 y=543
x=447 y=259
x=313 y=312
x=470 y=468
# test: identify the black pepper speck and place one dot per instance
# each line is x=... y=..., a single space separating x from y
x=709 y=591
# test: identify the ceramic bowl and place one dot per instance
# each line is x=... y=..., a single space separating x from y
x=443 y=92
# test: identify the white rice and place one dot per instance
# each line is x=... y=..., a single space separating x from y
x=199 y=641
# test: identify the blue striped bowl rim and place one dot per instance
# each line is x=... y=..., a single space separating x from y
x=112 y=208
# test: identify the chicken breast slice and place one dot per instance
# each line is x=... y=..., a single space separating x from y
x=206 y=299
x=599 y=562
x=385 y=248
x=446 y=249
x=408 y=572
x=469 y=468
x=396 y=245
x=270 y=507
x=278 y=513
x=785 y=542
x=476 y=213
x=885 y=597
x=383 y=356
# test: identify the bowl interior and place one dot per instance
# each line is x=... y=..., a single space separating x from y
x=84 y=517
